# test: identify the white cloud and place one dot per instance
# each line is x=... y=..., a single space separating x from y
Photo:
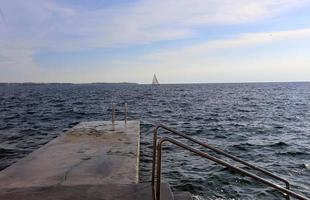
x=59 y=27
x=11 y=49
x=208 y=63
x=35 y=25
x=234 y=42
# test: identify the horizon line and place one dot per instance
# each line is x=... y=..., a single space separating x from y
x=180 y=83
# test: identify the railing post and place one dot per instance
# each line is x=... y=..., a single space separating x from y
x=158 y=171
x=154 y=155
x=126 y=111
x=287 y=184
x=113 y=113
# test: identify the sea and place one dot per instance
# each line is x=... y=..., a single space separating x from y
x=266 y=124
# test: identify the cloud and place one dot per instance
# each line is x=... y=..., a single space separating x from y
x=15 y=52
x=217 y=60
x=59 y=27
x=35 y=26
x=245 y=40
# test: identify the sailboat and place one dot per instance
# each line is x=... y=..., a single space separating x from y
x=155 y=81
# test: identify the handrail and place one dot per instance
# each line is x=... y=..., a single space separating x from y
x=219 y=161
x=113 y=113
x=219 y=151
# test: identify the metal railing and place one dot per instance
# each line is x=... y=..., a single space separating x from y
x=287 y=192
x=113 y=113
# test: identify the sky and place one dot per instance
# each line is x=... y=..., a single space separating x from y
x=182 y=41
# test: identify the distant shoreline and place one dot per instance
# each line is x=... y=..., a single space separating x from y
x=39 y=84
x=129 y=83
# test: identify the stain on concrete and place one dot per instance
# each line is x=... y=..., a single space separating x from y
x=88 y=154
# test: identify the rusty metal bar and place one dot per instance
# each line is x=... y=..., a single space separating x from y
x=158 y=175
x=126 y=111
x=154 y=154
x=219 y=161
x=113 y=113
x=219 y=151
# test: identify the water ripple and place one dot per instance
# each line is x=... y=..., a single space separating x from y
x=266 y=124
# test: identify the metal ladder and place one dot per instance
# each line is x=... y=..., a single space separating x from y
x=157 y=154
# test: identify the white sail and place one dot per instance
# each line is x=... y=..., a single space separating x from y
x=155 y=81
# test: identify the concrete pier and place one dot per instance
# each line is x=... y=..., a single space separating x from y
x=91 y=153
x=91 y=161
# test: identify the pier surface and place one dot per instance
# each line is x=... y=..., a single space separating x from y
x=91 y=153
x=91 y=161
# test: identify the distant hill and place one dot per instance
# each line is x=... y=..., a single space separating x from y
x=38 y=84
x=122 y=83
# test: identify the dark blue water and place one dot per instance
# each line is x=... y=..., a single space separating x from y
x=266 y=124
